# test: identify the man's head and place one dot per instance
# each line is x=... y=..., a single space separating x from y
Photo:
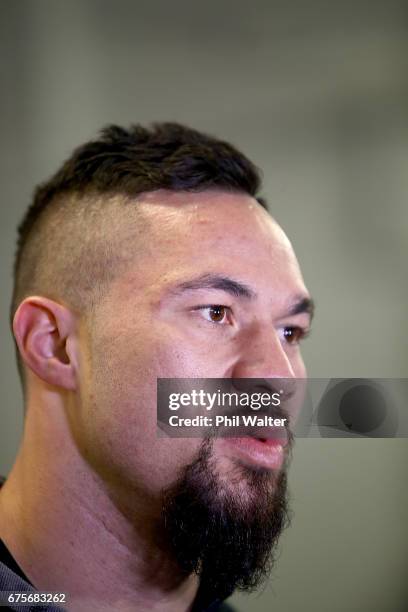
x=149 y=255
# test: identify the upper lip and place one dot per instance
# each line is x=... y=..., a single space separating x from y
x=280 y=434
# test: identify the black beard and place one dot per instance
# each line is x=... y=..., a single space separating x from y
x=225 y=534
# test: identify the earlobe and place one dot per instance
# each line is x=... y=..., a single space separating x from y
x=42 y=329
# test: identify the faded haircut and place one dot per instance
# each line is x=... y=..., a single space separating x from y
x=65 y=249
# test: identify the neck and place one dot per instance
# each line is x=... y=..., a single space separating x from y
x=70 y=532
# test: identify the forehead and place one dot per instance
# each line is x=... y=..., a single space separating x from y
x=187 y=234
x=176 y=221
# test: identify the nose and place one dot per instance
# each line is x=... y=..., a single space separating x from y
x=265 y=365
x=262 y=356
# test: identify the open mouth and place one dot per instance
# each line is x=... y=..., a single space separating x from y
x=261 y=451
x=270 y=436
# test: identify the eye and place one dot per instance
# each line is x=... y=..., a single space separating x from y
x=215 y=313
x=293 y=335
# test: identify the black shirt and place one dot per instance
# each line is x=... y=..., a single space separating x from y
x=7 y=559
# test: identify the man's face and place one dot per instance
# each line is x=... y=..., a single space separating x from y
x=158 y=320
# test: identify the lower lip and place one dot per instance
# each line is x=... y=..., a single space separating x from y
x=269 y=454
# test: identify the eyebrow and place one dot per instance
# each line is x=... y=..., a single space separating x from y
x=217 y=281
x=303 y=304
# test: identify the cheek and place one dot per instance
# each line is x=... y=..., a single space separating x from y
x=183 y=354
x=120 y=423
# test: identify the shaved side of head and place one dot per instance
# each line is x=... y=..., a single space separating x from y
x=79 y=246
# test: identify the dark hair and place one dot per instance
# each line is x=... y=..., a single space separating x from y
x=129 y=162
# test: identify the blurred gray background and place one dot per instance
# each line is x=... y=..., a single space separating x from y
x=316 y=93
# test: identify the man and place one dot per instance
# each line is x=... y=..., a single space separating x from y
x=147 y=255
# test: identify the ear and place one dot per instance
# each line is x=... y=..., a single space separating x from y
x=45 y=335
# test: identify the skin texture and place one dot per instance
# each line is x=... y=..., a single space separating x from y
x=81 y=508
